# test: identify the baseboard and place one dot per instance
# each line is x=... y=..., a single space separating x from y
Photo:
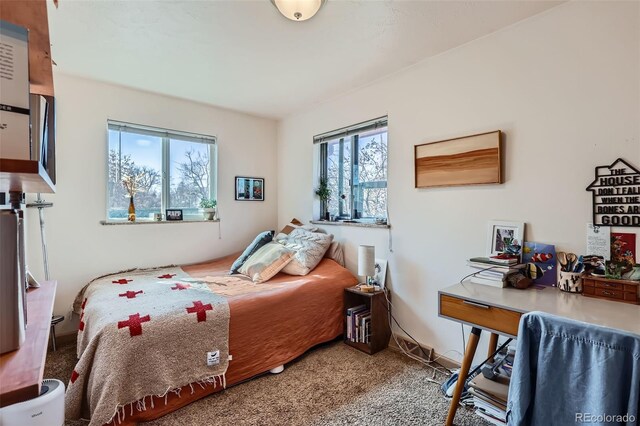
x=447 y=363
x=423 y=352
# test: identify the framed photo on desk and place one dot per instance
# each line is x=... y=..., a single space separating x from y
x=504 y=237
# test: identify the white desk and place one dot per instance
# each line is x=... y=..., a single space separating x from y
x=498 y=310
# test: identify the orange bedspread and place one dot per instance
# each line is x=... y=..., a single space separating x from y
x=271 y=323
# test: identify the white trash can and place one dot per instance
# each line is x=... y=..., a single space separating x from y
x=45 y=410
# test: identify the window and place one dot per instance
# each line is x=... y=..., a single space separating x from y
x=170 y=170
x=353 y=161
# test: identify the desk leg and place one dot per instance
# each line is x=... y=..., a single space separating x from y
x=493 y=345
x=469 y=353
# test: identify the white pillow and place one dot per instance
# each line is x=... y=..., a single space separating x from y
x=309 y=248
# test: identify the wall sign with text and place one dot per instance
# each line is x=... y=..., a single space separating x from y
x=616 y=195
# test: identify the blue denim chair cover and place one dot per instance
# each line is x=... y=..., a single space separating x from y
x=567 y=372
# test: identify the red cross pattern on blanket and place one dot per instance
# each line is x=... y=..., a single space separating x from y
x=134 y=323
x=200 y=310
x=121 y=281
x=180 y=286
x=131 y=294
x=167 y=276
x=81 y=324
x=74 y=376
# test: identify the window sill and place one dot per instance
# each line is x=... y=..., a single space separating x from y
x=155 y=222
x=356 y=224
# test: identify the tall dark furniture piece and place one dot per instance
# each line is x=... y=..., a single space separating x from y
x=28 y=168
x=378 y=306
x=33 y=175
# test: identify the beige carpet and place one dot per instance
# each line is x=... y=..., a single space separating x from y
x=331 y=385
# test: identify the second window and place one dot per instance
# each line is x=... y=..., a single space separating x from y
x=353 y=162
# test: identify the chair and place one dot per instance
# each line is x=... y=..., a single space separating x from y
x=565 y=371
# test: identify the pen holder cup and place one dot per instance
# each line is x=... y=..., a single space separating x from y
x=570 y=282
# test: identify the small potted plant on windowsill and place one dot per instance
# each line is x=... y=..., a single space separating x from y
x=208 y=208
x=323 y=192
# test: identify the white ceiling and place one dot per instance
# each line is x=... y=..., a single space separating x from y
x=244 y=55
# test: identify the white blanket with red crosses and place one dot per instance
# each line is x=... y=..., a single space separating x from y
x=145 y=333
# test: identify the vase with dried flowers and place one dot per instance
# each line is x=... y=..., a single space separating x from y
x=130 y=183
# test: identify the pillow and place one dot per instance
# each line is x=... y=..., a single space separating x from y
x=309 y=248
x=259 y=241
x=335 y=253
x=266 y=262
x=294 y=224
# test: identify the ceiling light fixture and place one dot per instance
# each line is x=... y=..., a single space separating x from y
x=298 y=10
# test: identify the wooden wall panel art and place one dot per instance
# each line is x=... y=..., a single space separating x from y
x=469 y=160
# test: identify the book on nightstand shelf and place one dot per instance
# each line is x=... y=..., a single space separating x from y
x=358 y=324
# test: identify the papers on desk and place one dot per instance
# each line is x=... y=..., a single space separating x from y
x=599 y=241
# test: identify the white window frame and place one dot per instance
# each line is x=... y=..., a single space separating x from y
x=350 y=135
x=166 y=135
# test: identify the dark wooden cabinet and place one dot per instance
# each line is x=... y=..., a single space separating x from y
x=32 y=14
x=611 y=289
x=380 y=331
x=37 y=173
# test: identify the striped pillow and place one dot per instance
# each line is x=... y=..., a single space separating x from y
x=262 y=239
x=266 y=262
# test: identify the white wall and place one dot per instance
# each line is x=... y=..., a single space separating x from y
x=80 y=248
x=564 y=88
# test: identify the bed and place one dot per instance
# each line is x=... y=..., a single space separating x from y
x=270 y=324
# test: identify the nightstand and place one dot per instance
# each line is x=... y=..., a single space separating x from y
x=378 y=328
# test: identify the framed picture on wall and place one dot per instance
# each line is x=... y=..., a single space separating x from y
x=249 y=189
x=467 y=160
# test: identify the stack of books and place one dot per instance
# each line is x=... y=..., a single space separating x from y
x=358 y=324
x=493 y=271
x=490 y=398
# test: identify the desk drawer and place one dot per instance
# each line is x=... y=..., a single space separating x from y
x=484 y=316
x=609 y=285
x=631 y=297
x=610 y=293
